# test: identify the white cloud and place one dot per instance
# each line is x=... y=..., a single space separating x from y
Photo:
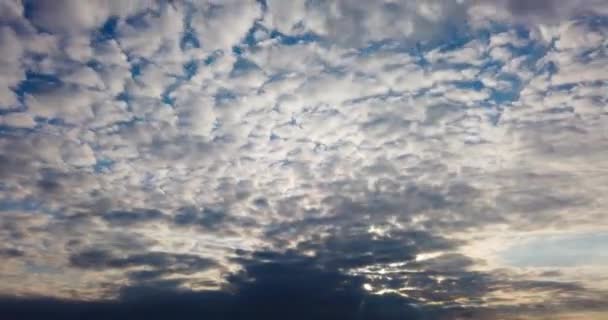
x=73 y=16
x=578 y=36
x=74 y=106
x=76 y=154
x=10 y=70
x=18 y=120
x=222 y=24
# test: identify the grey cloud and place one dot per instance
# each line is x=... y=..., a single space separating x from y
x=9 y=253
x=356 y=247
x=163 y=263
x=205 y=218
x=448 y=262
x=67 y=15
x=127 y=218
x=354 y=23
x=275 y=285
x=554 y=9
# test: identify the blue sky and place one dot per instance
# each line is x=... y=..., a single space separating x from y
x=401 y=159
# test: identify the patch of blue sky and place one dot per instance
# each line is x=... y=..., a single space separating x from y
x=494 y=27
x=596 y=23
x=95 y=65
x=108 y=31
x=28 y=8
x=28 y=12
x=6 y=109
x=532 y=52
x=564 y=87
x=590 y=55
x=14 y=131
x=210 y=59
x=549 y=68
x=224 y=96
x=166 y=96
x=190 y=69
x=568 y=250
x=504 y=96
x=382 y=97
x=60 y=122
x=237 y=50
x=119 y=125
x=137 y=65
x=386 y=45
x=263 y=5
x=140 y=20
x=242 y=66
x=453 y=38
x=491 y=65
x=471 y=85
x=250 y=38
x=57 y=122
x=189 y=38
x=34 y=83
x=126 y=98
x=455 y=41
x=421 y=92
x=25 y=205
x=103 y=165
x=34 y=268
x=37 y=82
x=290 y=40
x=217 y=124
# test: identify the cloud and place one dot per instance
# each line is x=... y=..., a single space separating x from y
x=536 y=13
x=256 y=155
x=67 y=16
x=275 y=285
x=97 y=259
x=125 y=218
x=11 y=253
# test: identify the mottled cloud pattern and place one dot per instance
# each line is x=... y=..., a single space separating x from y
x=303 y=159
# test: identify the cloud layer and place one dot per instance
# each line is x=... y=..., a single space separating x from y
x=259 y=158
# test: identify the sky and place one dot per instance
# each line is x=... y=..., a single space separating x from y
x=304 y=159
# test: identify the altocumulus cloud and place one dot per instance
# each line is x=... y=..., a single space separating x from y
x=303 y=159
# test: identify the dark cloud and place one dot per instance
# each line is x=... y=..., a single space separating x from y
x=356 y=247
x=298 y=284
x=532 y=7
x=205 y=218
x=352 y=204
x=9 y=253
x=546 y=11
x=260 y=202
x=127 y=218
x=161 y=263
x=270 y=286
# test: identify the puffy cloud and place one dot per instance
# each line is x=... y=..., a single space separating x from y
x=223 y=24
x=354 y=23
x=361 y=152
x=10 y=69
x=18 y=120
x=70 y=16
